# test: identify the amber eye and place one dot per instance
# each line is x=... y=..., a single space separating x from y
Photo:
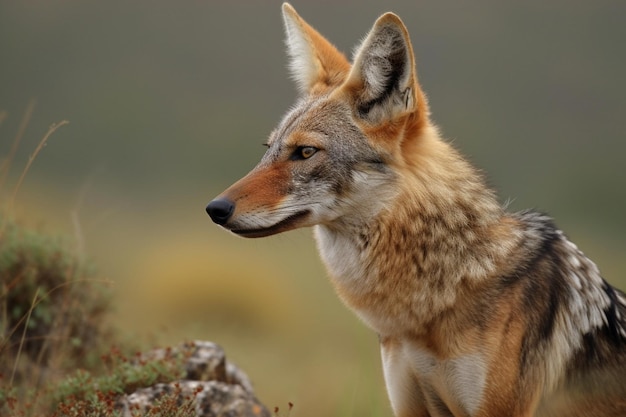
x=303 y=152
x=307 y=151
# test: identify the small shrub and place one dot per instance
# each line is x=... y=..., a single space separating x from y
x=52 y=313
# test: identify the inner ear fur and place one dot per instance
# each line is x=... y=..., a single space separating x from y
x=382 y=80
x=315 y=64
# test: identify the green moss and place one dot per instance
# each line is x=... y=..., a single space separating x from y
x=83 y=393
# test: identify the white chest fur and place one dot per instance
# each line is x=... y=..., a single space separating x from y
x=447 y=385
x=341 y=256
x=353 y=280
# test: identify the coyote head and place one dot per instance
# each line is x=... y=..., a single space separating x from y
x=336 y=154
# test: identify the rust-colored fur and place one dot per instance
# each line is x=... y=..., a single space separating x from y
x=480 y=312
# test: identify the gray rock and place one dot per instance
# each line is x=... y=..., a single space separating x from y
x=212 y=387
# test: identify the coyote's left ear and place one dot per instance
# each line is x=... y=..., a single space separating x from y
x=315 y=63
x=382 y=81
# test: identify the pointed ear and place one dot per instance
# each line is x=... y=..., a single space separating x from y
x=382 y=82
x=315 y=63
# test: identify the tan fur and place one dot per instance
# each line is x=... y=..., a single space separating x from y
x=329 y=66
x=479 y=312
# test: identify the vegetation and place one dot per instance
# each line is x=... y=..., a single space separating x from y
x=49 y=303
x=85 y=394
x=55 y=354
x=52 y=312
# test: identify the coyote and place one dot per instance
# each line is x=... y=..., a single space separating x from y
x=480 y=312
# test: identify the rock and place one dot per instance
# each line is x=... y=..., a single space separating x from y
x=212 y=387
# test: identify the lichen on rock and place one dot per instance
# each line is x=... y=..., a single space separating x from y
x=212 y=386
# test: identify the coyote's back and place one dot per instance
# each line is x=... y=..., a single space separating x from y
x=480 y=312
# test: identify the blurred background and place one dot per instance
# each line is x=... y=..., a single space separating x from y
x=169 y=103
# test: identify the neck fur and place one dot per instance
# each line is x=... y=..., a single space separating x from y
x=442 y=233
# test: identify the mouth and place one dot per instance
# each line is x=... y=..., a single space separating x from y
x=287 y=223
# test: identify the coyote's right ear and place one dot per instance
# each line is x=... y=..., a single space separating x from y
x=315 y=63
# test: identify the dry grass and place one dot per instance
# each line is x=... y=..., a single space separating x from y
x=52 y=307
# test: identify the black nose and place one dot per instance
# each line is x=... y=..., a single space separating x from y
x=220 y=210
